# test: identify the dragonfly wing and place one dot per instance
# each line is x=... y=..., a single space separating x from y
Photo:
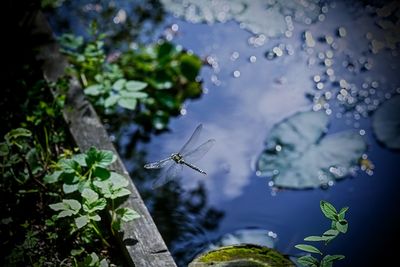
x=158 y=164
x=192 y=140
x=199 y=152
x=171 y=173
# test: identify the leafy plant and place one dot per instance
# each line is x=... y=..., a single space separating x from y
x=95 y=189
x=338 y=225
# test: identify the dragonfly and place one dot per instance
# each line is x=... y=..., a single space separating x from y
x=174 y=163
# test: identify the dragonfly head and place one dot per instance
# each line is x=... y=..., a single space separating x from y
x=177 y=157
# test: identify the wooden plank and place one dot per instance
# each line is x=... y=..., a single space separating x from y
x=140 y=240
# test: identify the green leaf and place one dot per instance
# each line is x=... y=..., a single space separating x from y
x=65 y=213
x=118 y=181
x=127 y=214
x=95 y=217
x=52 y=178
x=81 y=221
x=111 y=100
x=120 y=193
x=69 y=188
x=342 y=226
x=328 y=210
x=3 y=149
x=330 y=258
x=101 y=158
x=98 y=205
x=190 y=66
x=93 y=259
x=135 y=95
x=342 y=213
x=18 y=132
x=57 y=206
x=104 y=263
x=80 y=159
x=89 y=195
x=72 y=204
x=315 y=238
x=101 y=173
x=69 y=166
x=135 y=85
x=119 y=84
x=308 y=248
x=94 y=90
x=331 y=233
x=308 y=261
x=128 y=103
x=76 y=252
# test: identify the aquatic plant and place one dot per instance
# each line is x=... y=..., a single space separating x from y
x=338 y=225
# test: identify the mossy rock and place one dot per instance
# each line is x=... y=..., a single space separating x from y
x=243 y=255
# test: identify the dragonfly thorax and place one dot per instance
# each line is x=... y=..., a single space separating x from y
x=178 y=158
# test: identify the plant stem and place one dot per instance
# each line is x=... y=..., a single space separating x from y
x=94 y=226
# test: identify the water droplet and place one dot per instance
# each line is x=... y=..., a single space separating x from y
x=342 y=32
x=317 y=78
x=252 y=59
x=320 y=86
x=234 y=56
x=362 y=132
x=184 y=111
x=278 y=148
x=236 y=74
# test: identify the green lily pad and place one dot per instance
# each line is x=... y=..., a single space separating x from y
x=386 y=123
x=299 y=155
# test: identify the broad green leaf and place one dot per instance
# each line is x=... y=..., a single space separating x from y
x=57 y=206
x=299 y=155
x=386 y=121
x=69 y=166
x=127 y=214
x=81 y=221
x=96 y=218
x=72 y=204
x=329 y=210
x=70 y=188
x=92 y=260
x=89 y=195
x=80 y=159
x=119 y=84
x=94 y=90
x=120 y=193
x=128 y=103
x=101 y=158
x=111 y=100
x=52 y=178
x=135 y=85
x=342 y=226
x=65 y=213
x=118 y=181
x=308 y=261
x=101 y=173
x=315 y=238
x=308 y=248
x=98 y=205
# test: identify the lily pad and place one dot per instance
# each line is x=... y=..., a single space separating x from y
x=386 y=123
x=257 y=16
x=299 y=155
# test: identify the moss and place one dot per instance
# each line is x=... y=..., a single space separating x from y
x=249 y=252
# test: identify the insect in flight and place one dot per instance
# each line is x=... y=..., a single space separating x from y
x=185 y=155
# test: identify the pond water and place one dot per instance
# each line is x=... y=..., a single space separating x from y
x=335 y=58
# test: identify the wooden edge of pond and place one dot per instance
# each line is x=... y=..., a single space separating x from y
x=140 y=240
